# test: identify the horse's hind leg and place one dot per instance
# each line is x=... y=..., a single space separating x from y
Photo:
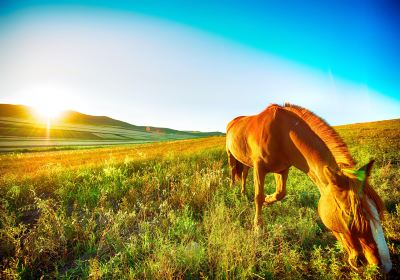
x=280 y=192
x=244 y=177
x=239 y=171
x=232 y=165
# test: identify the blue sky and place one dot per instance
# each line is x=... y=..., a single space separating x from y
x=195 y=65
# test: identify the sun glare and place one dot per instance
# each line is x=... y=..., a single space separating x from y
x=48 y=101
x=48 y=111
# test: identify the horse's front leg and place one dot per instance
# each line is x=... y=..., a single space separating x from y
x=280 y=192
x=259 y=177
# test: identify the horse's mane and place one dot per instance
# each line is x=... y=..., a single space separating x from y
x=327 y=134
x=360 y=211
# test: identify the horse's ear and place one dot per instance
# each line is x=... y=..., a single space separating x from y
x=367 y=168
x=330 y=175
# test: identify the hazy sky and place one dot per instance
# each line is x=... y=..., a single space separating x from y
x=197 y=66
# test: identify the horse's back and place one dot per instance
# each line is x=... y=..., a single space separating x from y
x=252 y=126
x=233 y=122
x=247 y=136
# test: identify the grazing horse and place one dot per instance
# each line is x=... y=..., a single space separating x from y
x=289 y=135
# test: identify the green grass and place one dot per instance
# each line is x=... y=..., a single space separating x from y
x=175 y=216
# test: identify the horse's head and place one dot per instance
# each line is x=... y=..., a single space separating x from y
x=351 y=209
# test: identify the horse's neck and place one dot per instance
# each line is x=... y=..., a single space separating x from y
x=311 y=154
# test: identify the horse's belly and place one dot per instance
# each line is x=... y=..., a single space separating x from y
x=240 y=151
x=242 y=157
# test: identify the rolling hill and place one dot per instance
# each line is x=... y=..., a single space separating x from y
x=21 y=127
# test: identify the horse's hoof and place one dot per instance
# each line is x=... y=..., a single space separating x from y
x=269 y=200
x=258 y=228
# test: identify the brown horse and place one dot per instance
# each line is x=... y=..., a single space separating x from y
x=289 y=135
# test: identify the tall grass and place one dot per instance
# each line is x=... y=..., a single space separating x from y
x=167 y=211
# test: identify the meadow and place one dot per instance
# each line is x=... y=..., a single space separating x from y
x=166 y=210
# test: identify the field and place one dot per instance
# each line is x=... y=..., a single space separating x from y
x=165 y=210
x=22 y=129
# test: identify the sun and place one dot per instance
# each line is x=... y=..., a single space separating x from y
x=49 y=111
x=48 y=101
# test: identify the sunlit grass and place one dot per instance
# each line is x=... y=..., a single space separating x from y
x=161 y=211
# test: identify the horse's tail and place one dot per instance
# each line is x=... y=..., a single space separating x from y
x=239 y=170
x=236 y=167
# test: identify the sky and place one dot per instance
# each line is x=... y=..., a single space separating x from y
x=195 y=65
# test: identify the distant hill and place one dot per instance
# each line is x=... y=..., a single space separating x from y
x=21 y=127
x=15 y=111
x=72 y=117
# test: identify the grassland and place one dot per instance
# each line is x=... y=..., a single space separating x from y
x=165 y=210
